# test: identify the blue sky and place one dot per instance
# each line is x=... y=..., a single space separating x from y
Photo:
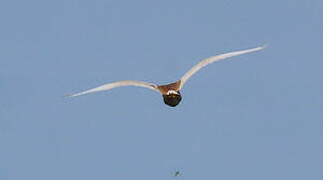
x=256 y=116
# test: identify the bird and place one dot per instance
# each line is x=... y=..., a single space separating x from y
x=170 y=92
x=177 y=173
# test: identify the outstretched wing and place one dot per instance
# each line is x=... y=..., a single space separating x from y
x=213 y=59
x=109 y=86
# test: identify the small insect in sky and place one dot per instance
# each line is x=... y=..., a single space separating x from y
x=170 y=92
x=176 y=174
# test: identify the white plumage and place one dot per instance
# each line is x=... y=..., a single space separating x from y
x=171 y=99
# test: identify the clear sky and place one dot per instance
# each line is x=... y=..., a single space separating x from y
x=255 y=116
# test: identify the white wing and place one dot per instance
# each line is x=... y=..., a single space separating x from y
x=213 y=59
x=117 y=84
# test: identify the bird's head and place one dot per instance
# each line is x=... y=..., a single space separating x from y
x=172 y=98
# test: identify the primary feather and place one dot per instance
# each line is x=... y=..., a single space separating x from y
x=109 y=86
x=213 y=59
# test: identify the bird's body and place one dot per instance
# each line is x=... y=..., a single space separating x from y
x=170 y=92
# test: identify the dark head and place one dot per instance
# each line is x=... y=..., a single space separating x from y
x=172 y=98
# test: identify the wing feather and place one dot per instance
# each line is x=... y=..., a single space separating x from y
x=213 y=59
x=109 y=86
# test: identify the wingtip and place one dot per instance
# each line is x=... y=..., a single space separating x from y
x=68 y=95
x=264 y=46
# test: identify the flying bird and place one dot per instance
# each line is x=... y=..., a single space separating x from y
x=170 y=92
x=177 y=173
